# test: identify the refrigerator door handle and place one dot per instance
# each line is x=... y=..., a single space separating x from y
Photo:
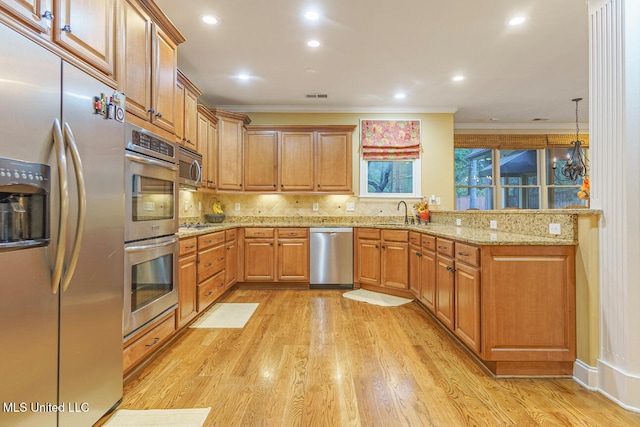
x=56 y=272
x=82 y=206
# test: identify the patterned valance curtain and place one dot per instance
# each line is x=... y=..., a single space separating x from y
x=390 y=139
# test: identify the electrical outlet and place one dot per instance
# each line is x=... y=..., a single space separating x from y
x=351 y=206
x=493 y=223
x=458 y=221
x=200 y=206
x=149 y=206
x=237 y=206
x=186 y=206
x=437 y=201
x=554 y=229
x=315 y=207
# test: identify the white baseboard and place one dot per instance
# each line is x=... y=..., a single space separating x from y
x=619 y=386
x=585 y=375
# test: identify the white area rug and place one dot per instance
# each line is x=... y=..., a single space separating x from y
x=375 y=298
x=226 y=315
x=159 y=418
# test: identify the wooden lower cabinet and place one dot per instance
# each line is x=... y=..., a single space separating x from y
x=210 y=289
x=293 y=260
x=211 y=263
x=445 y=291
x=259 y=260
x=187 y=282
x=467 y=305
x=428 y=262
x=147 y=341
x=231 y=260
x=382 y=260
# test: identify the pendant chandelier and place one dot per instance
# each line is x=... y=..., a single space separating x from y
x=575 y=165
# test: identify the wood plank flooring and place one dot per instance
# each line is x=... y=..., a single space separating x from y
x=314 y=358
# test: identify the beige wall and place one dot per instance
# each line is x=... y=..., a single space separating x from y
x=437 y=142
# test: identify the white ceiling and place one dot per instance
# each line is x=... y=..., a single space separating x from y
x=371 y=49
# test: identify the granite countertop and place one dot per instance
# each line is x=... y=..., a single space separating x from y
x=464 y=234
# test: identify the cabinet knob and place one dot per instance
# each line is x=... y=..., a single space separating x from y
x=158 y=115
x=48 y=15
x=67 y=29
x=151 y=110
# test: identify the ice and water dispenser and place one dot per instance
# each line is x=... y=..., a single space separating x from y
x=24 y=204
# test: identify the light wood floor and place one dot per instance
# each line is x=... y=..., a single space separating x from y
x=314 y=358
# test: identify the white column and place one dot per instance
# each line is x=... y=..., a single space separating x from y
x=614 y=125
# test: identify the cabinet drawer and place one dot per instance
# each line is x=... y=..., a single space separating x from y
x=284 y=233
x=414 y=238
x=395 y=235
x=259 y=232
x=369 y=233
x=210 y=290
x=445 y=247
x=230 y=234
x=210 y=262
x=209 y=240
x=428 y=242
x=188 y=246
x=468 y=254
x=149 y=342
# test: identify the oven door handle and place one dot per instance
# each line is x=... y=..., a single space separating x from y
x=148 y=161
x=147 y=247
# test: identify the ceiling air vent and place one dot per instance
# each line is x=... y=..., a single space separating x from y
x=540 y=119
x=317 y=95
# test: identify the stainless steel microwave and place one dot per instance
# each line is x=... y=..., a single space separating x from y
x=190 y=168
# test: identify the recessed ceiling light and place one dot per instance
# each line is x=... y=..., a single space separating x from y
x=310 y=70
x=313 y=43
x=517 y=20
x=458 y=78
x=210 y=19
x=400 y=95
x=311 y=15
x=243 y=76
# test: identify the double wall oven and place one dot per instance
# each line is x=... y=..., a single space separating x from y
x=151 y=223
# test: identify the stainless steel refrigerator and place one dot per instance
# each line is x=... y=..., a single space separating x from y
x=60 y=350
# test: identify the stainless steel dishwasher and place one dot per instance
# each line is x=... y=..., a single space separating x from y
x=331 y=253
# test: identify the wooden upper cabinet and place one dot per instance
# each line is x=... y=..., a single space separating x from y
x=35 y=14
x=147 y=73
x=82 y=32
x=206 y=136
x=86 y=29
x=296 y=161
x=230 y=141
x=261 y=161
x=186 y=113
x=211 y=165
x=333 y=162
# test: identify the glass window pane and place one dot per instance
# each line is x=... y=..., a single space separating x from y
x=473 y=166
x=474 y=198
x=559 y=197
x=521 y=197
x=518 y=167
x=390 y=177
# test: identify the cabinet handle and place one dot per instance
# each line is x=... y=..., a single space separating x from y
x=418 y=254
x=155 y=341
x=221 y=284
x=275 y=186
x=151 y=110
x=376 y=246
x=67 y=29
x=384 y=247
x=158 y=115
x=191 y=247
x=208 y=264
x=221 y=259
x=451 y=269
x=463 y=254
x=208 y=293
x=228 y=249
x=48 y=15
x=184 y=139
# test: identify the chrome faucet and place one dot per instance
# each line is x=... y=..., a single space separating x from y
x=406 y=218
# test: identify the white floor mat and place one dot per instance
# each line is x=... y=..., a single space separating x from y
x=226 y=315
x=159 y=418
x=376 y=298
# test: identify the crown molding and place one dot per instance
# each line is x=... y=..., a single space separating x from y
x=335 y=109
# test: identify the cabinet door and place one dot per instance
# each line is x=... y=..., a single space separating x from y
x=210 y=262
x=259 y=260
x=395 y=265
x=86 y=29
x=428 y=280
x=415 y=256
x=136 y=60
x=293 y=260
x=467 y=305
x=212 y=156
x=187 y=290
x=261 y=161
x=231 y=264
x=445 y=282
x=30 y=12
x=229 y=154
x=333 y=162
x=202 y=136
x=296 y=161
x=369 y=261
x=164 y=81
x=179 y=111
x=191 y=120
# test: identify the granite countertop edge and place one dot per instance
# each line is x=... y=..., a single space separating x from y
x=463 y=234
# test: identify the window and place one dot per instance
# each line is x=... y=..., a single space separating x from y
x=515 y=181
x=390 y=162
